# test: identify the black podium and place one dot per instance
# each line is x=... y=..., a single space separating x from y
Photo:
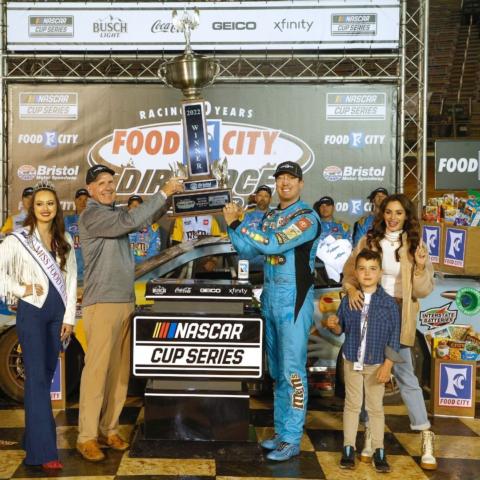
x=198 y=344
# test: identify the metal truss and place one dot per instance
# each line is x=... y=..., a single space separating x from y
x=406 y=68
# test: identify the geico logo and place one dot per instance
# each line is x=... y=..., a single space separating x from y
x=355 y=139
x=212 y=331
x=154 y=142
x=210 y=290
x=234 y=25
x=47 y=138
x=459 y=165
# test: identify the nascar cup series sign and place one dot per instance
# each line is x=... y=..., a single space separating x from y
x=342 y=136
x=181 y=346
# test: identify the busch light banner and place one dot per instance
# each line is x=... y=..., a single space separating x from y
x=343 y=136
x=224 y=26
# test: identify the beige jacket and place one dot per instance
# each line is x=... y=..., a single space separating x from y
x=414 y=286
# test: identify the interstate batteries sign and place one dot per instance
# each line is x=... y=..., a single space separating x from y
x=270 y=25
x=201 y=347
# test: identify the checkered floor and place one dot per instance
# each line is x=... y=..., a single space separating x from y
x=457 y=448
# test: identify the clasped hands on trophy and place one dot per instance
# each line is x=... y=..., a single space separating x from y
x=174 y=185
x=232 y=212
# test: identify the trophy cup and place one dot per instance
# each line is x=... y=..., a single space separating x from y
x=205 y=190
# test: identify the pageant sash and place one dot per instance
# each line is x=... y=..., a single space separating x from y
x=45 y=260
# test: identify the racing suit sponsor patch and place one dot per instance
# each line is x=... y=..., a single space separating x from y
x=303 y=224
x=298 y=395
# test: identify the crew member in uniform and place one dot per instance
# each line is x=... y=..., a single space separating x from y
x=148 y=241
x=186 y=229
x=338 y=230
x=288 y=237
x=71 y=226
x=363 y=224
x=254 y=217
x=14 y=222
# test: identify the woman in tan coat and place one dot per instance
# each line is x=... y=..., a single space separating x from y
x=407 y=276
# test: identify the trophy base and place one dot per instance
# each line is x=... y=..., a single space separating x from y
x=200 y=202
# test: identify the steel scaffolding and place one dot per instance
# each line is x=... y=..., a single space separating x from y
x=407 y=69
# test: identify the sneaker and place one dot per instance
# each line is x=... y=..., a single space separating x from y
x=348 y=457
x=367 y=452
x=428 y=461
x=379 y=461
x=271 y=443
x=284 y=451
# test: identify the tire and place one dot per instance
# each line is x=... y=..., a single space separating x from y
x=74 y=361
x=12 y=372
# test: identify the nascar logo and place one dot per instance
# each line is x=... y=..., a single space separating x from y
x=198 y=331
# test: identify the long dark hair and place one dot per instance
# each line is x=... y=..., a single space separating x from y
x=411 y=226
x=59 y=243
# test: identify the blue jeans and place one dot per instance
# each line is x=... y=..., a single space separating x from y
x=410 y=391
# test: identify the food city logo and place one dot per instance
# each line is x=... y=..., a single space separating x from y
x=438 y=316
x=50 y=26
x=297 y=25
x=45 y=172
x=142 y=155
x=354 y=139
x=334 y=173
x=431 y=237
x=48 y=105
x=356 y=106
x=110 y=27
x=455 y=247
x=354 y=206
x=49 y=139
x=354 y=24
x=455 y=385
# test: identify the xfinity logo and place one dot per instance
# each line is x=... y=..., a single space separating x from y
x=210 y=290
x=186 y=290
x=110 y=27
x=238 y=291
x=285 y=24
x=354 y=139
x=234 y=26
x=48 y=139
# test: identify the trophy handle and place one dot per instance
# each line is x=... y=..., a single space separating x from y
x=162 y=71
x=214 y=67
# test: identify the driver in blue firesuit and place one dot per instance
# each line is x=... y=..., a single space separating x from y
x=288 y=237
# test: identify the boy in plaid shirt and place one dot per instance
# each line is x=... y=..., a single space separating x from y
x=368 y=332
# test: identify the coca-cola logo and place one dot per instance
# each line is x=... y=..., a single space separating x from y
x=160 y=26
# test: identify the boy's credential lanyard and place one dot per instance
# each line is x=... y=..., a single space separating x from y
x=358 y=365
x=46 y=262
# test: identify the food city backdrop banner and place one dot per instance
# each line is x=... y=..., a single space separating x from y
x=343 y=136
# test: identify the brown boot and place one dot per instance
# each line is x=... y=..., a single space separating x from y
x=90 y=450
x=114 y=441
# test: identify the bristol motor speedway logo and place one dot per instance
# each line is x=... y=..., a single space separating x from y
x=431 y=238
x=455 y=385
x=142 y=155
x=334 y=173
x=455 y=247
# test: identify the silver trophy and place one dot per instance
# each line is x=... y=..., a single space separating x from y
x=206 y=184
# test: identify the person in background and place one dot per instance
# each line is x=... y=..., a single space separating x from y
x=363 y=224
x=108 y=303
x=407 y=276
x=37 y=268
x=186 y=229
x=288 y=237
x=149 y=240
x=254 y=217
x=325 y=207
x=366 y=366
x=15 y=222
x=71 y=226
